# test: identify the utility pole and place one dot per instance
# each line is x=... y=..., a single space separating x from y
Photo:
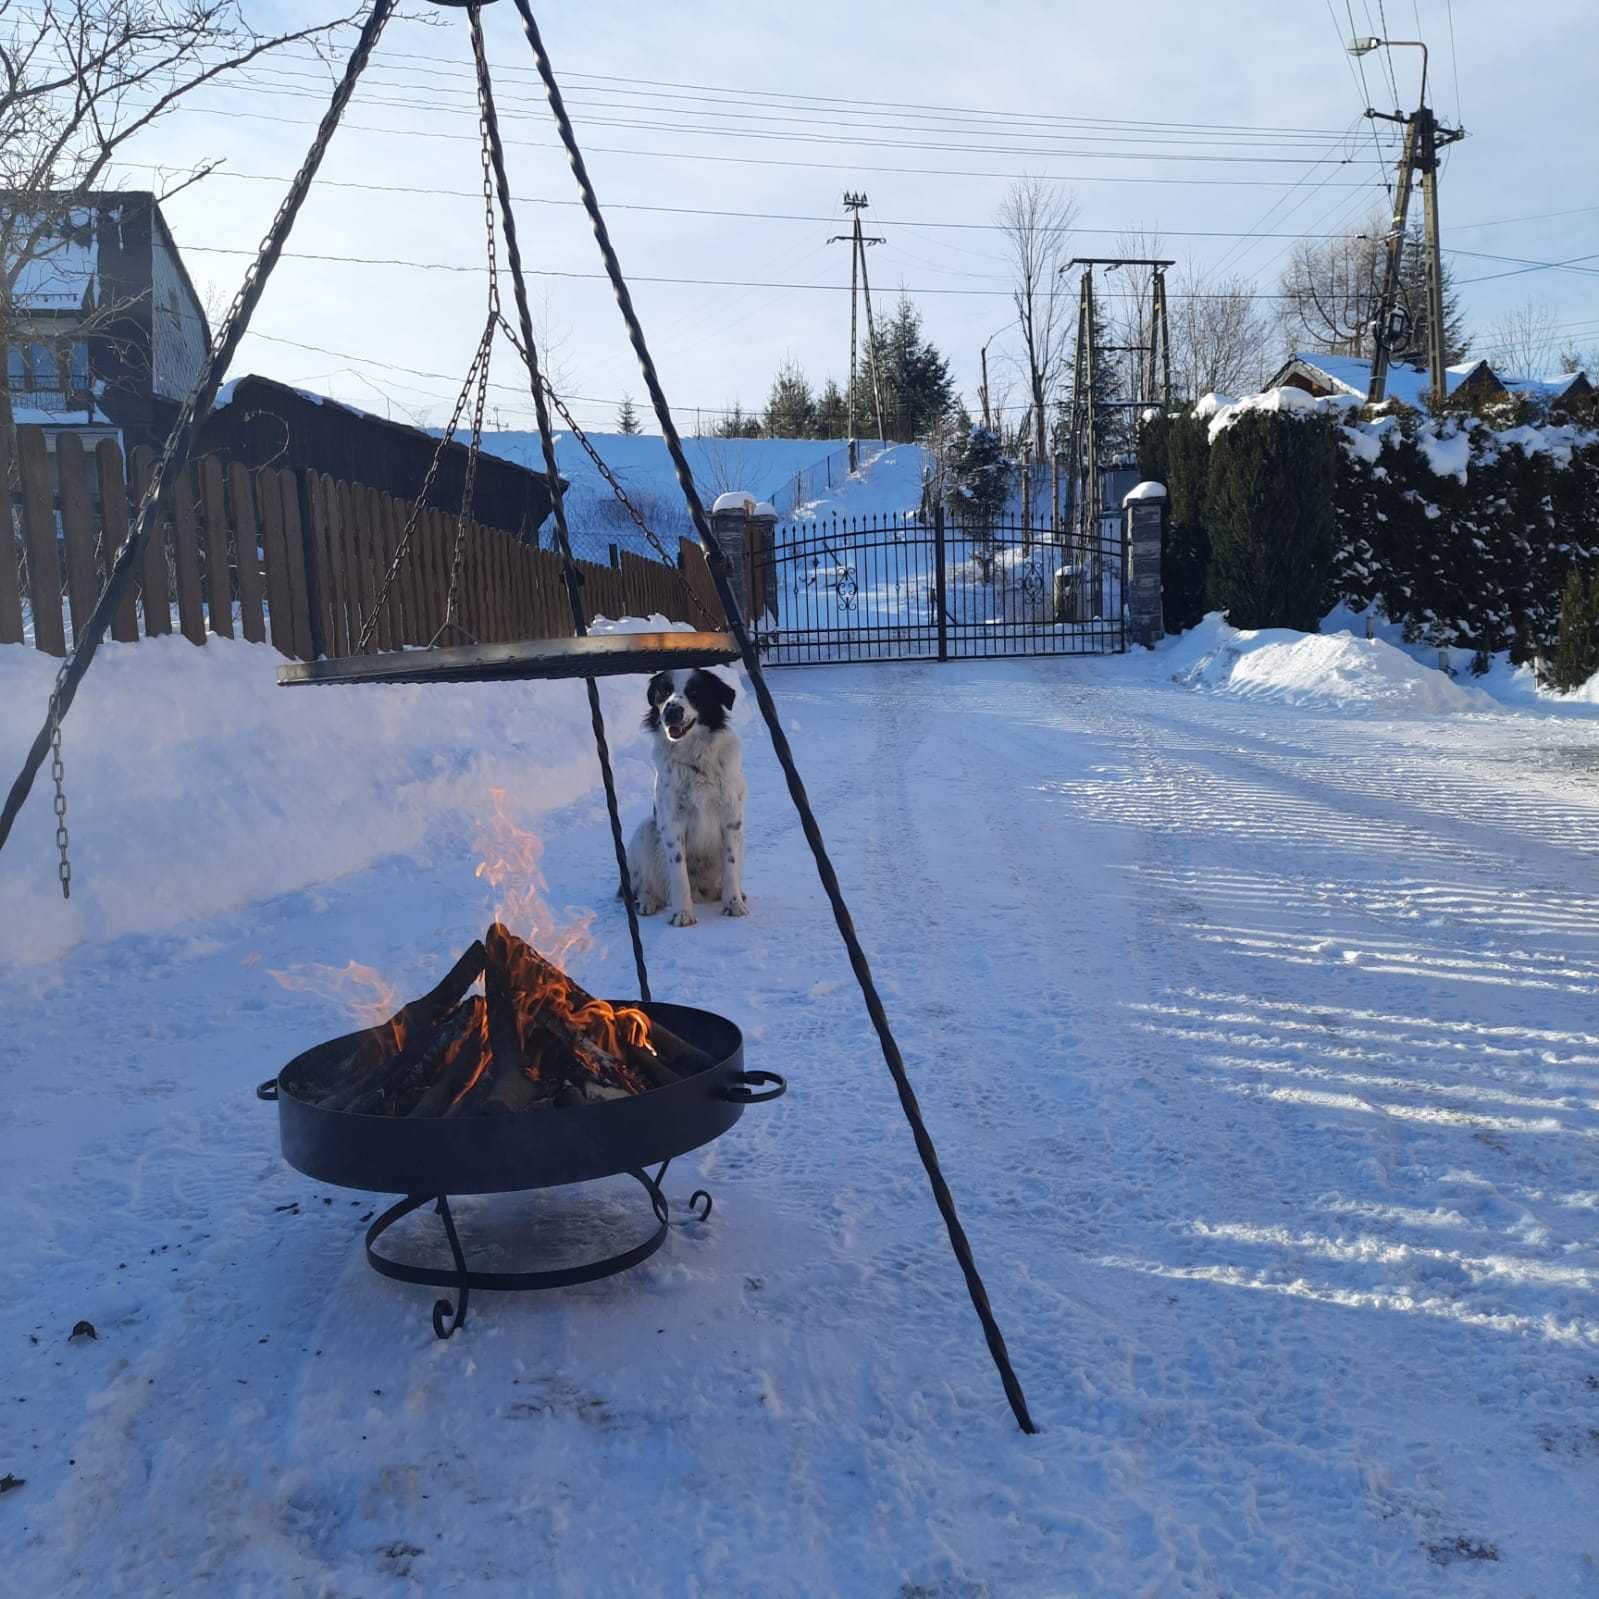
x=1160 y=333
x=857 y=242
x=1390 y=326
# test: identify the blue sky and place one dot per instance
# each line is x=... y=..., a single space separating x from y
x=1258 y=132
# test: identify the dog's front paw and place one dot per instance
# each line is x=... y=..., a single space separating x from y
x=684 y=919
x=738 y=906
x=648 y=906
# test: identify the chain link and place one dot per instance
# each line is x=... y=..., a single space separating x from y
x=57 y=773
x=475 y=387
x=616 y=488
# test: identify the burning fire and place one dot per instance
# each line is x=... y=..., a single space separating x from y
x=528 y=1011
x=368 y=996
x=511 y=867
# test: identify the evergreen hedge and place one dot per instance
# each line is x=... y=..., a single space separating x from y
x=1269 y=510
x=1479 y=564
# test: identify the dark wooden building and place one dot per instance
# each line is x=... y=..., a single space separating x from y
x=263 y=423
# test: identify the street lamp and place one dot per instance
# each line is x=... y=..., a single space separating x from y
x=1364 y=47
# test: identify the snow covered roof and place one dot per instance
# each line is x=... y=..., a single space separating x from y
x=1350 y=374
x=1549 y=388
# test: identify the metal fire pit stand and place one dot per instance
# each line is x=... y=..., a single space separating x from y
x=447 y=1316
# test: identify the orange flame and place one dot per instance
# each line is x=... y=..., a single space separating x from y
x=369 y=997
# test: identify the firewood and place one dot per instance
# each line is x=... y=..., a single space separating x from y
x=415 y=1026
x=673 y=1057
x=457 y=1053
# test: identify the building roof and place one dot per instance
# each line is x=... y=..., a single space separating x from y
x=1348 y=374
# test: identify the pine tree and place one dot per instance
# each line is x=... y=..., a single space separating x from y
x=917 y=389
x=1268 y=509
x=831 y=417
x=627 y=417
x=737 y=423
x=980 y=478
x=790 y=407
x=1413 y=297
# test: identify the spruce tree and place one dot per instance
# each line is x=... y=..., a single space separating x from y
x=831 y=419
x=737 y=423
x=627 y=417
x=980 y=479
x=790 y=407
x=1413 y=296
x=917 y=389
x=1268 y=508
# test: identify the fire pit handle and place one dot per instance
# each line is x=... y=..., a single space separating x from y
x=739 y=1088
x=268 y=1089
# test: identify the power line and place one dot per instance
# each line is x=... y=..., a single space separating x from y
x=228 y=173
x=945 y=172
x=268 y=75
x=686 y=129
x=747 y=283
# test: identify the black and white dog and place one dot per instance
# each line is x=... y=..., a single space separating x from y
x=692 y=846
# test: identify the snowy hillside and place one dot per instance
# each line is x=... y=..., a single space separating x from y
x=1256 y=1028
x=795 y=475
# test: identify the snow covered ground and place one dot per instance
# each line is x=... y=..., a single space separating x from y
x=1254 y=1014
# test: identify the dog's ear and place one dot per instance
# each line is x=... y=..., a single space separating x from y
x=660 y=688
x=725 y=691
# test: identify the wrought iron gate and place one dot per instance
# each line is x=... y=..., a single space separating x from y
x=893 y=588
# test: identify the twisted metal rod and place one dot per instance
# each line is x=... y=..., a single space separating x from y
x=785 y=756
x=574 y=590
x=180 y=442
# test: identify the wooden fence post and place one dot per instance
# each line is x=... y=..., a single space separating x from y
x=154 y=591
x=186 y=558
x=280 y=616
x=288 y=486
x=247 y=552
x=39 y=529
x=114 y=533
x=77 y=530
x=218 y=567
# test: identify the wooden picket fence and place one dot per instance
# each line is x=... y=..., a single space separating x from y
x=297 y=559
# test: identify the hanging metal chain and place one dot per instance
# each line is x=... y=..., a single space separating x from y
x=610 y=478
x=476 y=386
x=57 y=772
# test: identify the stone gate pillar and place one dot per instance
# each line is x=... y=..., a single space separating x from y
x=1144 y=532
x=743 y=532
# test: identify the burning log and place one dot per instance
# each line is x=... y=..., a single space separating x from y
x=532 y=1039
x=397 y=1049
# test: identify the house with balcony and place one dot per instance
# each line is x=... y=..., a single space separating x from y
x=105 y=333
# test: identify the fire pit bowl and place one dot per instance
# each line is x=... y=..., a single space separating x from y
x=430 y=1158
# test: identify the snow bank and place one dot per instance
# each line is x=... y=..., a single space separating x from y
x=1336 y=671
x=174 y=755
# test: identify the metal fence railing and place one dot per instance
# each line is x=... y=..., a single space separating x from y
x=908 y=587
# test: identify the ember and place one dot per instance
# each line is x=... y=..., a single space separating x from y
x=532 y=1040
